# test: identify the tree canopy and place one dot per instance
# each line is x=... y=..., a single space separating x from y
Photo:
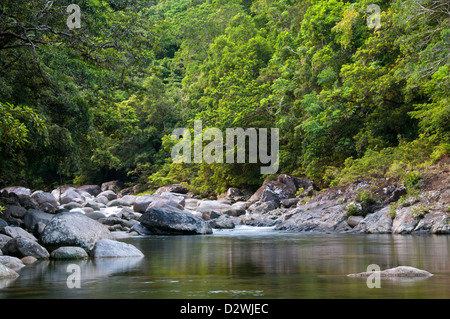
x=99 y=102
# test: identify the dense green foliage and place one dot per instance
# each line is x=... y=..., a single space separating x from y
x=100 y=102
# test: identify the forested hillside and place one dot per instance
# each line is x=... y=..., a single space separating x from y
x=99 y=102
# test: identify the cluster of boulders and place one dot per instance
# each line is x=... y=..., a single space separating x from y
x=66 y=223
x=81 y=222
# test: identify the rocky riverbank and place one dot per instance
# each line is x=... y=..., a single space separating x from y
x=85 y=222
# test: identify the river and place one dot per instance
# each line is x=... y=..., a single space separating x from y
x=247 y=263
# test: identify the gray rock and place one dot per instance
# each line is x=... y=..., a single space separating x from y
x=107 y=248
x=46 y=201
x=129 y=198
x=163 y=219
x=400 y=271
x=3 y=224
x=102 y=200
x=223 y=222
x=92 y=204
x=289 y=202
x=4 y=260
x=262 y=208
x=377 y=223
x=209 y=206
x=326 y=216
x=22 y=247
x=353 y=221
x=112 y=186
x=16 y=211
x=71 y=229
x=18 y=190
x=142 y=202
x=120 y=202
x=437 y=222
x=69 y=252
x=16 y=232
x=174 y=188
x=111 y=220
x=178 y=198
x=109 y=194
x=34 y=216
x=405 y=221
x=141 y=230
x=96 y=215
x=3 y=240
x=6 y=272
x=72 y=195
x=93 y=190
x=58 y=192
x=72 y=205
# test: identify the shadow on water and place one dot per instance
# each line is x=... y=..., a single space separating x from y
x=247 y=262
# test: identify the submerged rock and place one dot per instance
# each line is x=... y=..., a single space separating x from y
x=400 y=271
x=69 y=252
x=107 y=248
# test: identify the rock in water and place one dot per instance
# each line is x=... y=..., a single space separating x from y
x=72 y=229
x=400 y=271
x=112 y=248
x=69 y=252
x=21 y=247
x=163 y=219
x=5 y=272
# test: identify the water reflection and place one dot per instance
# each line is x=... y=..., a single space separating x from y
x=248 y=263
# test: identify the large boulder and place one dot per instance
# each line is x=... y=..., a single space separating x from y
x=164 y=219
x=142 y=202
x=106 y=248
x=435 y=222
x=273 y=191
x=178 y=198
x=34 y=216
x=379 y=222
x=69 y=252
x=16 y=211
x=46 y=201
x=405 y=220
x=72 y=195
x=93 y=190
x=57 y=192
x=21 y=247
x=73 y=229
x=15 y=232
x=208 y=206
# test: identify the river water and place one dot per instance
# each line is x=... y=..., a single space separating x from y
x=246 y=263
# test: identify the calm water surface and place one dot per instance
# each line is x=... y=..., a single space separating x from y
x=247 y=263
